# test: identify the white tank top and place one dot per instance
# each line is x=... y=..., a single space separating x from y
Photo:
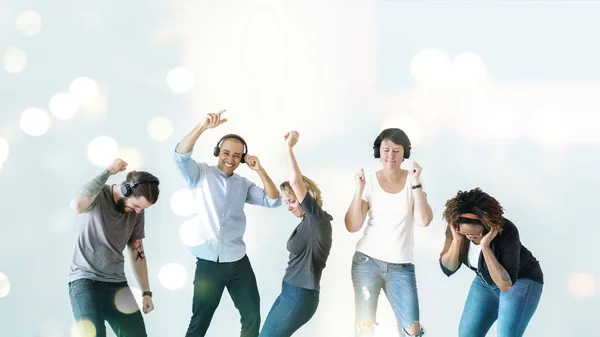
x=389 y=231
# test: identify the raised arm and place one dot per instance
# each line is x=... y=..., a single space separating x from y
x=422 y=209
x=269 y=186
x=450 y=256
x=210 y=121
x=291 y=138
x=87 y=194
x=357 y=212
x=503 y=273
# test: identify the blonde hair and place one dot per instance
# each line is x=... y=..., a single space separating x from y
x=310 y=185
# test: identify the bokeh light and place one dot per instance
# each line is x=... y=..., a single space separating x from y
x=180 y=80
x=4 y=150
x=190 y=232
x=83 y=328
x=132 y=156
x=63 y=106
x=172 y=276
x=84 y=90
x=582 y=285
x=182 y=202
x=160 y=128
x=468 y=68
x=4 y=285
x=29 y=23
x=126 y=300
x=407 y=123
x=14 y=60
x=35 y=122
x=431 y=67
x=102 y=150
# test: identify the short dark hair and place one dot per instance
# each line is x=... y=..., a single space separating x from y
x=148 y=190
x=397 y=136
x=477 y=202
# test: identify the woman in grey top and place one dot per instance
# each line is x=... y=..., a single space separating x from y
x=309 y=247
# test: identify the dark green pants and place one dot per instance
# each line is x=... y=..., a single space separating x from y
x=210 y=280
x=94 y=302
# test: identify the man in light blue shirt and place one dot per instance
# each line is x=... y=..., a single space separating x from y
x=221 y=253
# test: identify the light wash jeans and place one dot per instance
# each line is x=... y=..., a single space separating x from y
x=513 y=309
x=399 y=284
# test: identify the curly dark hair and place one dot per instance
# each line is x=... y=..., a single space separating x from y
x=477 y=202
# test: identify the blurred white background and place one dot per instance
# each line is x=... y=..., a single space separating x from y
x=501 y=95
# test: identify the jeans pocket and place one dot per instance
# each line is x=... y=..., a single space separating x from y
x=360 y=258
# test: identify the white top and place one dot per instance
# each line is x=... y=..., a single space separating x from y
x=389 y=232
x=474 y=252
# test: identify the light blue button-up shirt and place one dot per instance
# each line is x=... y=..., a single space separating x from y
x=221 y=221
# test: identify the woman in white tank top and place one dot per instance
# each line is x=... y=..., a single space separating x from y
x=394 y=201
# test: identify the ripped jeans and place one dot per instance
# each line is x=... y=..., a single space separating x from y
x=399 y=283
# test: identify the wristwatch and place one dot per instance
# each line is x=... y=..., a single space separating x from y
x=147 y=293
x=417 y=186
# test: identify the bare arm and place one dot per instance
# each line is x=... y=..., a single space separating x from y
x=295 y=174
x=450 y=257
x=88 y=193
x=357 y=212
x=137 y=257
x=497 y=271
x=422 y=210
x=210 y=121
x=269 y=187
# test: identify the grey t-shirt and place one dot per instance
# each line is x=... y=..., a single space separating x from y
x=103 y=235
x=309 y=246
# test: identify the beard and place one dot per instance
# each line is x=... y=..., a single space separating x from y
x=121 y=205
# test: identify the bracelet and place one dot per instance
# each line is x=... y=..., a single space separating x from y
x=417 y=186
x=147 y=293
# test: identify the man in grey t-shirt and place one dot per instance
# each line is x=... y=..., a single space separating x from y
x=113 y=218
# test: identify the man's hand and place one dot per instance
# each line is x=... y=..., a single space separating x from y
x=118 y=165
x=253 y=163
x=147 y=304
x=213 y=120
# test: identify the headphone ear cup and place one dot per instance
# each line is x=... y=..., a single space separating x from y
x=243 y=161
x=125 y=190
x=216 y=151
x=376 y=152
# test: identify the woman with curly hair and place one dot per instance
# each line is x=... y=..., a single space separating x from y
x=509 y=280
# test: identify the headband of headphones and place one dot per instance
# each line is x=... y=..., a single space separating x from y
x=127 y=186
x=396 y=136
x=234 y=136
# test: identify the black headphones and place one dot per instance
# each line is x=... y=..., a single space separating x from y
x=231 y=135
x=399 y=135
x=127 y=186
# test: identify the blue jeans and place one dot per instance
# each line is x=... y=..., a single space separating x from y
x=513 y=309
x=291 y=310
x=94 y=302
x=399 y=283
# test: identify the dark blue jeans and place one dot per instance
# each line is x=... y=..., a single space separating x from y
x=209 y=282
x=513 y=309
x=94 y=302
x=291 y=310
